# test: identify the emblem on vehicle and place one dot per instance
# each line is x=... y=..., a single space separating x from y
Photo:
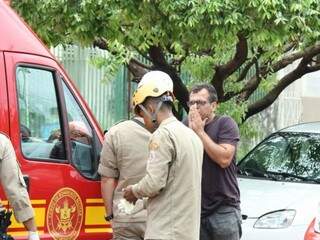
x=65 y=215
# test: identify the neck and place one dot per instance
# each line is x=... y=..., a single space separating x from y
x=163 y=115
x=211 y=117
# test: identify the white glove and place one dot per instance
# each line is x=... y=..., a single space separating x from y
x=125 y=207
x=33 y=235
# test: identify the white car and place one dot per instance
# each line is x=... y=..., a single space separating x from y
x=280 y=184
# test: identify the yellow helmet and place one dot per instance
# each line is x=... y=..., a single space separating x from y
x=152 y=84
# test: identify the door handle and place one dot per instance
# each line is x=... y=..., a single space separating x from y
x=27 y=181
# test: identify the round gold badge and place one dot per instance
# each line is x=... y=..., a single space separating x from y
x=153 y=146
x=65 y=215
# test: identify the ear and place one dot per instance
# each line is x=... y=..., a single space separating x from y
x=139 y=113
x=214 y=105
x=151 y=108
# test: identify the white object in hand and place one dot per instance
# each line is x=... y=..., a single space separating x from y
x=33 y=235
x=125 y=207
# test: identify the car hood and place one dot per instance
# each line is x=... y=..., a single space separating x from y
x=259 y=197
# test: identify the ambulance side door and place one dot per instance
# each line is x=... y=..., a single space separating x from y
x=4 y=123
x=58 y=146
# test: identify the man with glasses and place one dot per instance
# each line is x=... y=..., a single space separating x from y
x=220 y=203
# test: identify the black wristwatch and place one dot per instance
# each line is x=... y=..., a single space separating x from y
x=109 y=217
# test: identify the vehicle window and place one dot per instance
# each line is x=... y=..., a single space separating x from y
x=40 y=126
x=289 y=156
x=81 y=136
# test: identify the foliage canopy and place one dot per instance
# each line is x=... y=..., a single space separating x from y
x=236 y=45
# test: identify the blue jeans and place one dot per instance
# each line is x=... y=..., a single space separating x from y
x=223 y=224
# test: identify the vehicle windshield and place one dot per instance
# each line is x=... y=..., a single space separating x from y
x=285 y=156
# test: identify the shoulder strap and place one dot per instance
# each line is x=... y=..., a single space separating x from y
x=139 y=123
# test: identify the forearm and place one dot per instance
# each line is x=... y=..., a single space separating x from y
x=108 y=186
x=30 y=225
x=15 y=188
x=217 y=153
x=150 y=185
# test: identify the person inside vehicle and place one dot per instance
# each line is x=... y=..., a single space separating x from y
x=78 y=132
x=25 y=133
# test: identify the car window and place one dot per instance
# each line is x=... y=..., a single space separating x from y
x=295 y=155
x=40 y=126
x=81 y=136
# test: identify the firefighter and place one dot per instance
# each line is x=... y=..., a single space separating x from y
x=173 y=179
x=123 y=162
x=15 y=188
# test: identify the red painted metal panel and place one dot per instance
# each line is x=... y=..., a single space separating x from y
x=310 y=233
x=4 y=124
x=48 y=178
x=16 y=36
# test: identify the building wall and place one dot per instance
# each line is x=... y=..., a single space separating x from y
x=298 y=103
x=310 y=111
x=109 y=101
x=311 y=97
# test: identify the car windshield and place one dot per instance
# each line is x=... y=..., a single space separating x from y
x=285 y=156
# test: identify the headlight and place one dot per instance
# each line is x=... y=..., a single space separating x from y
x=278 y=219
x=317 y=221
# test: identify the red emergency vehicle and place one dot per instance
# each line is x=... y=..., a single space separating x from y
x=312 y=233
x=56 y=138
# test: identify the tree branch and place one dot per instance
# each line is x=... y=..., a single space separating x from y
x=136 y=69
x=205 y=52
x=254 y=60
x=313 y=68
x=178 y=62
x=100 y=43
x=270 y=97
x=136 y=61
x=288 y=47
x=251 y=84
x=306 y=56
x=142 y=54
x=286 y=60
x=224 y=71
x=245 y=70
x=158 y=59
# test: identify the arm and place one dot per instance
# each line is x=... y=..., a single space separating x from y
x=13 y=184
x=221 y=153
x=109 y=172
x=15 y=188
x=161 y=152
x=108 y=186
x=30 y=225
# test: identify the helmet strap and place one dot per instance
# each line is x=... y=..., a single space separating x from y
x=152 y=116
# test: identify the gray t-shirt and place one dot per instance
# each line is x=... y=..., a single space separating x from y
x=219 y=185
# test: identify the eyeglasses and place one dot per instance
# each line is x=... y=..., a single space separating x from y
x=198 y=102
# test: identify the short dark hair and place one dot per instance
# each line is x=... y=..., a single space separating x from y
x=156 y=100
x=213 y=96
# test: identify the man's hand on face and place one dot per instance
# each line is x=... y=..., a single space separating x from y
x=195 y=121
x=128 y=195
